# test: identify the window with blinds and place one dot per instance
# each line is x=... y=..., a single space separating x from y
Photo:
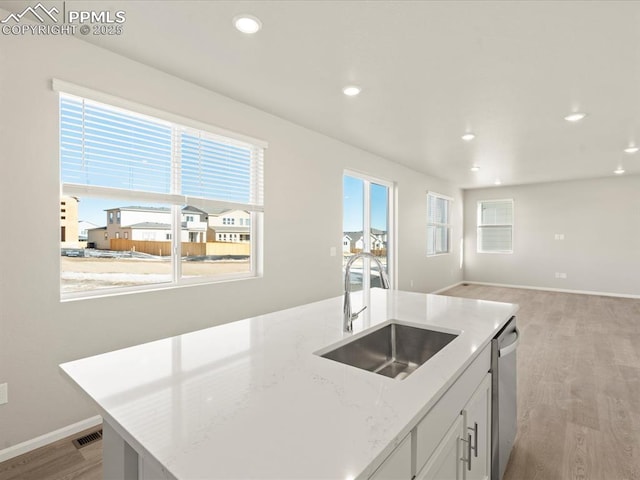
x=495 y=226
x=188 y=201
x=438 y=224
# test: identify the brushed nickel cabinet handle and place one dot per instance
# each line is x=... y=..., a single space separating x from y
x=475 y=438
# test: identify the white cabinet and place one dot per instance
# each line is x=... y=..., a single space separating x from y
x=397 y=466
x=446 y=463
x=453 y=440
x=477 y=416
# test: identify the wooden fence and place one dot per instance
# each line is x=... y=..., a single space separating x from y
x=382 y=252
x=188 y=248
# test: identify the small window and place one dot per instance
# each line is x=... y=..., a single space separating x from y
x=110 y=217
x=438 y=224
x=495 y=226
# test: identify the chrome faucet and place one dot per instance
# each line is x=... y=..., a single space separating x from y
x=384 y=282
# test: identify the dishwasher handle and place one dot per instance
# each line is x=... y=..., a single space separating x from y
x=503 y=352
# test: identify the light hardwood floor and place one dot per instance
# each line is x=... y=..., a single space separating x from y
x=58 y=461
x=578 y=394
x=578 y=384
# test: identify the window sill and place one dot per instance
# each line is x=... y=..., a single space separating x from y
x=118 y=291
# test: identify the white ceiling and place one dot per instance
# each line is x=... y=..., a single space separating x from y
x=429 y=71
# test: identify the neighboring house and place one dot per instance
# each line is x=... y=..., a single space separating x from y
x=194 y=224
x=146 y=231
x=377 y=240
x=346 y=244
x=83 y=230
x=98 y=238
x=154 y=224
x=69 y=237
x=226 y=225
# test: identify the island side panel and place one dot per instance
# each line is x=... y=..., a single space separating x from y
x=119 y=460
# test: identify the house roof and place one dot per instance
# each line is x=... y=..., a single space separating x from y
x=190 y=208
x=150 y=226
x=221 y=211
x=140 y=209
x=230 y=229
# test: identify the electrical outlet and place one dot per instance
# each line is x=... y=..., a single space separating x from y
x=4 y=393
x=559 y=236
x=332 y=252
x=561 y=275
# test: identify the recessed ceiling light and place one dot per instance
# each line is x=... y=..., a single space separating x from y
x=247 y=23
x=467 y=137
x=619 y=171
x=475 y=168
x=351 y=90
x=498 y=182
x=631 y=149
x=575 y=117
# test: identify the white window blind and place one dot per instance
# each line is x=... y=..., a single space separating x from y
x=495 y=226
x=108 y=147
x=220 y=170
x=105 y=146
x=438 y=224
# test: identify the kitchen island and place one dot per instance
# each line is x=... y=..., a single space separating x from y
x=253 y=399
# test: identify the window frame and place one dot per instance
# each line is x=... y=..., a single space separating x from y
x=175 y=201
x=392 y=227
x=447 y=225
x=480 y=226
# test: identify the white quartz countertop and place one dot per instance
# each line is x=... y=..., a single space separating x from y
x=251 y=399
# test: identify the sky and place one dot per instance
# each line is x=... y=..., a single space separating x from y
x=353 y=205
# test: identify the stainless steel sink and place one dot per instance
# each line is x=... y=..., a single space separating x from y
x=395 y=350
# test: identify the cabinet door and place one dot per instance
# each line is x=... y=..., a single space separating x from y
x=397 y=466
x=446 y=463
x=477 y=415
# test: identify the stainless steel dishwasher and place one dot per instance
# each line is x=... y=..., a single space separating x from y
x=503 y=397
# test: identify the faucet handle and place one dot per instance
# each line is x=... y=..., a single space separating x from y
x=355 y=315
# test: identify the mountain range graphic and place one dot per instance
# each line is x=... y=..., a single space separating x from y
x=16 y=17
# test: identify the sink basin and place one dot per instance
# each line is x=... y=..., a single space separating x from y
x=395 y=350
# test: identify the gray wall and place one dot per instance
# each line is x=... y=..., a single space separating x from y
x=600 y=220
x=303 y=204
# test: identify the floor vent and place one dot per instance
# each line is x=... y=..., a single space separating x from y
x=88 y=439
x=465 y=284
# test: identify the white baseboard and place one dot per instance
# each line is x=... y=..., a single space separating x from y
x=550 y=289
x=47 y=438
x=447 y=288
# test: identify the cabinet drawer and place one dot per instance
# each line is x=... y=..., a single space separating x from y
x=434 y=426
